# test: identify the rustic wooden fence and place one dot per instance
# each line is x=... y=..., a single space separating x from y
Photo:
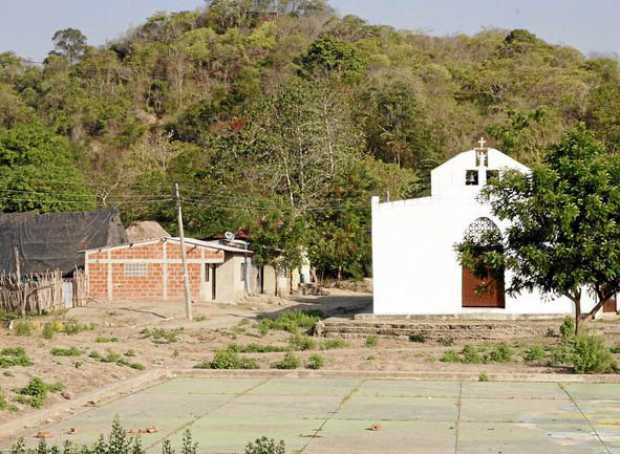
x=40 y=293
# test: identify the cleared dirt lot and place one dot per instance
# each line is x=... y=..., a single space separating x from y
x=119 y=333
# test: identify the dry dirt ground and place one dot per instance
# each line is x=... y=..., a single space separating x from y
x=119 y=328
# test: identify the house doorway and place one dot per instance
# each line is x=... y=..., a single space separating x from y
x=208 y=290
x=480 y=290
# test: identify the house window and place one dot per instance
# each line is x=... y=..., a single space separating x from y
x=136 y=269
x=492 y=175
x=471 y=178
x=243 y=272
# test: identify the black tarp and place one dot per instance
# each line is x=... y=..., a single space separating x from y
x=56 y=241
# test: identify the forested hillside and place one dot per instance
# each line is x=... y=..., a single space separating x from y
x=280 y=117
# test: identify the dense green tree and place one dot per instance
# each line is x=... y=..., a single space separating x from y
x=71 y=43
x=563 y=234
x=38 y=172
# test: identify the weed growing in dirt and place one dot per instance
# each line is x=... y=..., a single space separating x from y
x=615 y=350
x=483 y=377
x=567 y=329
x=3 y=403
x=265 y=445
x=23 y=328
x=130 y=353
x=372 y=341
x=315 y=362
x=585 y=353
x=200 y=318
x=48 y=331
x=35 y=393
x=301 y=342
x=226 y=359
x=14 y=356
x=450 y=357
x=72 y=327
x=332 y=344
x=501 y=353
x=256 y=348
x=59 y=351
x=290 y=361
x=292 y=321
x=105 y=340
x=112 y=357
x=161 y=335
x=418 y=338
x=471 y=355
x=535 y=353
x=447 y=341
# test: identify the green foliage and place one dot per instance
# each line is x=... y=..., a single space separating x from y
x=72 y=327
x=293 y=321
x=290 y=361
x=3 y=402
x=471 y=355
x=301 y=342
x=226 y=359
x=23 y=328
x=535 y=353
x=48 y=331
x=265 y=445
x=501 y=353
x=419 y=338
x=450 y=356
x=105 y=340
x=328 y=56
x=162 y=335
x=14 y=356
x=333 y=343
x=255 y=348
x=372 y=341
x=483 y=377
x=35 y=393
x=315 y=361
x=39 y=165
x=591 y=355
x=567 y=328
x=72 y=351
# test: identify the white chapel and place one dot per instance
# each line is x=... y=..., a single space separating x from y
x=415 y=266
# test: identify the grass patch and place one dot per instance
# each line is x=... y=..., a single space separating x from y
x=292 y=321
x=483 y=377
x=533 y=354
x=419 y=338
x=301 y=342
x=315 y=362
x=290 y=361
x=72 y=351
x=112 y=357
x=372 y=341
x=14 y=356
x=23 y=328
x=256 y=348
x=71 y=328
x=332 y=344
x=36 y=392
x=161 y=335
x=226 y=359
x=501 y=353
x=105 y=340
x=450 y=357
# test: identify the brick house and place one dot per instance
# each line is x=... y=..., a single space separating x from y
x=153 y=269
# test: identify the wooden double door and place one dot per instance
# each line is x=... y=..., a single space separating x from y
x=482 y=293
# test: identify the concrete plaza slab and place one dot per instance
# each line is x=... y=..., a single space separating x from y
x=344 y=415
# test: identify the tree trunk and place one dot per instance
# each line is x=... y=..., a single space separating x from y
x=577 y=301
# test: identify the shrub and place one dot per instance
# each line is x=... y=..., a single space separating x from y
x=471 y=355
x=35 y=393
x=372 y=341
x=332 y=344
x=111 y=357
x=447 y=341
x=14 y=356
x=105 y=340
x=3 y=403
x=315 y=362
x=226 y=359
x=615 y=349
x=419 y=338
x=534 y=353
x=255 y=348
x=137 y=366
x=292 y=321
x=130 y=353
x=265 y=445
x=161 y=335
x=264 y=326
x=72 y=327
x=567 y=328
x=290 y=361
x=301 y=342
x=450 y=357
x=590 y=355
x=23 y=328
x=483 y=377
x=48 y=331
x=59 y=351
x=501 y=353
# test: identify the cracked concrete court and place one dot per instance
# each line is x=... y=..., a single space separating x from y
x=327 y=415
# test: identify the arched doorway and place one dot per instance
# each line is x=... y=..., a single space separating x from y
x=482 y=290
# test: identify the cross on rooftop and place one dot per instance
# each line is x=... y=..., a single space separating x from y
x=482 y=142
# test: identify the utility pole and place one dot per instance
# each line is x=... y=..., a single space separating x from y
x=188 y=295
x=18 y=272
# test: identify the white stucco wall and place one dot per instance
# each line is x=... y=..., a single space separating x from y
x=415 y=267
